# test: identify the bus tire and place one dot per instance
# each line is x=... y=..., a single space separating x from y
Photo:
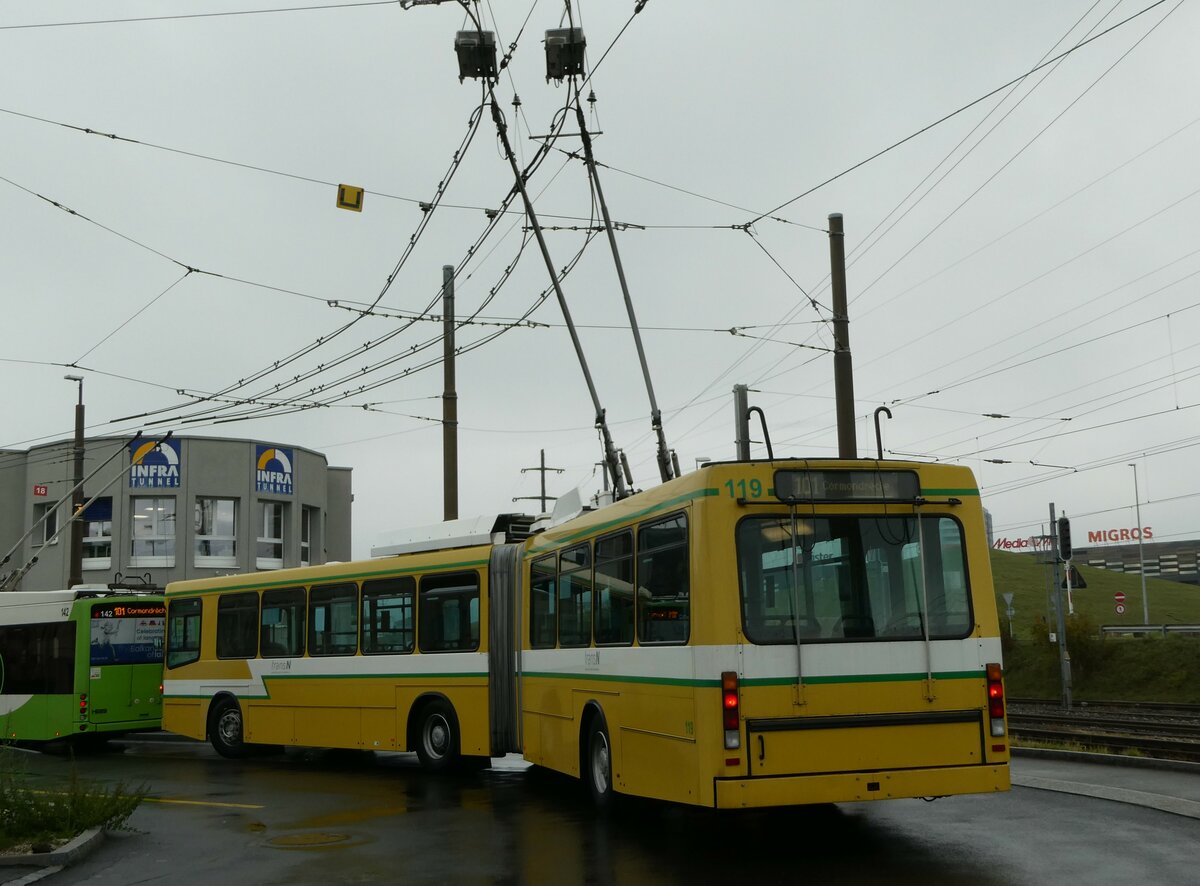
x=597 y=770
x=437 y=736
x=226 y=729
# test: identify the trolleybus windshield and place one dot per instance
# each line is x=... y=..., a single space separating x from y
x=821 y=579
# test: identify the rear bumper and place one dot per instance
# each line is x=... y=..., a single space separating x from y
x=793 y=790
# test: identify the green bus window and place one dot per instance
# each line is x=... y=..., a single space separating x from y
x=614 y=590
x=448 y=620
x=38 y=659
x=575 y=596
x=282 y=623
x=388 y=622
x=663 y=587
x=183 y=632
x=237 y=625
x=543 y=627
x=333 y=619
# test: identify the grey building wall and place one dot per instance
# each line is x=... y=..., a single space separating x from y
x=210 y=467
x=12 y=486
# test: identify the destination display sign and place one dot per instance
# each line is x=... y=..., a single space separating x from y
x=127 y=633
x=847 y=485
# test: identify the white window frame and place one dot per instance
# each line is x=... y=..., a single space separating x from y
x=145 y=507
x=271 y=514
x=103 y=538
x=50 y=527
x=219 y=561
x=306 y=534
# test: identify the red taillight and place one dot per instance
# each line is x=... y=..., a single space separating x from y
x=83 y=704
x=995 y=696
x=731 y=717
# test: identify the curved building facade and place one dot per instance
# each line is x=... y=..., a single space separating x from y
x=186 y=508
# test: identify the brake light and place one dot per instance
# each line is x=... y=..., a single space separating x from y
x=995 y=698
x=83 y=705
x=730 y=715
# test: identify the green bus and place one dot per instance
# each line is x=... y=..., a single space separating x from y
x=80 y=666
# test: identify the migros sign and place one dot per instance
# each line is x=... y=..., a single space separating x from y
x=1094 y=537
x=1116 y=535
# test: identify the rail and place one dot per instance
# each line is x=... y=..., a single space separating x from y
x=1165 y=731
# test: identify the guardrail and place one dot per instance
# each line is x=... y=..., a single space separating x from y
x=1161 y=630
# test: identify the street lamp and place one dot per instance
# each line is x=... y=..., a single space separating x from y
x=1141 y=560
x=76 y=573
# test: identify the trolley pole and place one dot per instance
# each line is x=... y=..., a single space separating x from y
x=843 y=370
x=77 y=497
x=449 y=401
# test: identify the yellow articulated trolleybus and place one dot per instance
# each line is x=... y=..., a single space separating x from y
x=751 y=634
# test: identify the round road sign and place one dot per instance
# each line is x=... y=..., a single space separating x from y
x=1119 y=597
x=1120 y=609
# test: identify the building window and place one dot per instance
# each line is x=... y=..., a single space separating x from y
x=270 y=535
x=49 y=512
x=216 y=532
x=308 y=535
x=152 y=532
x=97 y=534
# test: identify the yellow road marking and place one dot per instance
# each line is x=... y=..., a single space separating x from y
x=204 y=803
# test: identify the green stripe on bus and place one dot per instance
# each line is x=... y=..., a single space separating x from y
x=949 y=492
x=669 y=504
x=329 y=578
x=760 y=681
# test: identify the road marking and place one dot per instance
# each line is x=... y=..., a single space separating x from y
x=203 y=803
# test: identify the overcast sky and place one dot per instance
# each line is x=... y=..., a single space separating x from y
x=1035 y=256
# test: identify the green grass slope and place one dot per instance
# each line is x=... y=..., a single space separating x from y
x=1111 y=668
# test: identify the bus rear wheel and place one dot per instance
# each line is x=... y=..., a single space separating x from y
x=437 y=737
x=225 y=729
x=597 y=770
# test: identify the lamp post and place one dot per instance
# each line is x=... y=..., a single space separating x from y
x=77 y=499
x=1137 y=509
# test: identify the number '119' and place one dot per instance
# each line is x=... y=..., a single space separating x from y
x=744 y=488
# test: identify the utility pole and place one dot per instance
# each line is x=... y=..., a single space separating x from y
x=77 y=497
x=1137 y=509
x=843 y=370
x=543 y=498
x=741 y=421
x=449 y=401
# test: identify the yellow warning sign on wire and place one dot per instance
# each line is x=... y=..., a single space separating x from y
x=350 y=197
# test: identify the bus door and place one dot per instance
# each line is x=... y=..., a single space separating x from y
x=125 y=662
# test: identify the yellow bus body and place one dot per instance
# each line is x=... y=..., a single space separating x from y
x=826 y=718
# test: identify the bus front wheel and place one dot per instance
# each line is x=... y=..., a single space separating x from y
x=598 y=763
x=225 y=729
x=437 y=739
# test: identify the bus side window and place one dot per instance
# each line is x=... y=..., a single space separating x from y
x=543 y=626
x=663 y=592
x=38 y=659
x=183 y=632
x=448 y=617
x=282 y=623
x=388 y=623
x=333 y=619
x=614 y=589
x=575 y=596
x=237 y=625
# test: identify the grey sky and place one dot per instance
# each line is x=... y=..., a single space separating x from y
x=1054 y=232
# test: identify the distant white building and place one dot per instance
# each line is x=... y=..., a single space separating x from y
x=192 y=507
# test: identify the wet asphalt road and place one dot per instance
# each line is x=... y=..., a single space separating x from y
x=309 y=817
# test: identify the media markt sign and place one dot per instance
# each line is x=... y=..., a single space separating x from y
x=273 y=470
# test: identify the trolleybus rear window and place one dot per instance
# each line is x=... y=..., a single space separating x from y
x=37 y=659
x=127 y=633
x=819 y=579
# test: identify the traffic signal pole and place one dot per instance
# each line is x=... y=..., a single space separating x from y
x=1064 y=657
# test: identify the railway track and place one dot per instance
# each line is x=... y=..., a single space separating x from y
x=1166 y=731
